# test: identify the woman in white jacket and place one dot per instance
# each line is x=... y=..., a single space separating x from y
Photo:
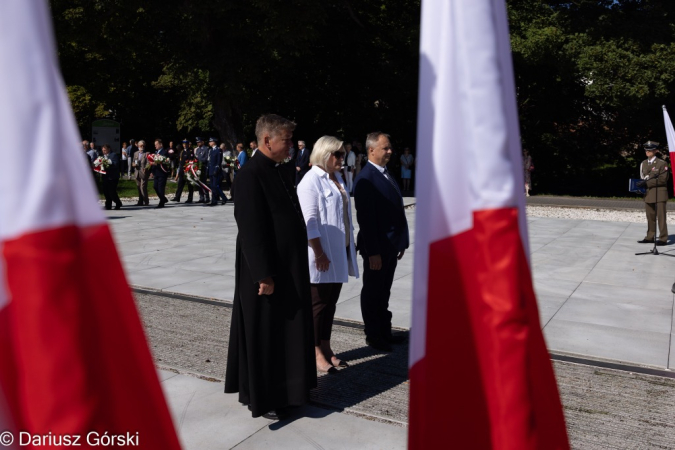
x=326 y=207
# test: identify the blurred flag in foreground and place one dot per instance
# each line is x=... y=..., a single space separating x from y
x=670 y=135
x=480 y=374
x=73 y=356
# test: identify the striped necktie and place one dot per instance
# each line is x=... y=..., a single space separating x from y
x=388 y=176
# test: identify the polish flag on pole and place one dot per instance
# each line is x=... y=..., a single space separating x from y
x=73 y=356
x=670 y=135
x=480 y=374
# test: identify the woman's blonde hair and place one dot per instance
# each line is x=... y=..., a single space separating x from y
x=323 y=148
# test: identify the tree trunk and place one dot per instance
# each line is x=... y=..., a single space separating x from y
x=227 y=121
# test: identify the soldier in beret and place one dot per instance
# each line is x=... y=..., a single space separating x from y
x=654 y=174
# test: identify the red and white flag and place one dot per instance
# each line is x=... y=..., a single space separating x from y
x=480 y=374
x=73 y=356
x=670 y=135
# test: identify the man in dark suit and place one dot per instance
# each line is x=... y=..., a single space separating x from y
x=216 y=173
x=131 y=153
x=382 y=240
x=110 y=178
x=301 y=162
x=160 y=173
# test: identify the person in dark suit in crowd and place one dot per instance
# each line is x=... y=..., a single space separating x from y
x=142 y=174
x=185 y=153
x=92 y=152
x=160 y=173
x=253 y=145
x=270 y=359
x=131 y=154
x=382 y=240
x=202 y=154
x=110 y=178
x=654 y=175
x=215 y=169
x=301 y=162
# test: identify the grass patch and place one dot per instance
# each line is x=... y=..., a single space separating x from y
x=127 y=188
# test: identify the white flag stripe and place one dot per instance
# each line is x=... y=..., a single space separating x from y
x=39 y=190
x=469 y=155
x=670 y=131
x=515 y=150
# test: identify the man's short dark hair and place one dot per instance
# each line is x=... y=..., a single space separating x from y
x=158 y=140
x=272 y=124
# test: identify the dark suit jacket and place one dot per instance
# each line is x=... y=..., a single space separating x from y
x=113 y=170
x=157 y=171
x=215 y=161
x=131 y=151
x=301 y=161
x=383 y=228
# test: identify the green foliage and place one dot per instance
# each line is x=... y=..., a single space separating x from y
x=591 y=78
x=179 y=66
x=591 y=75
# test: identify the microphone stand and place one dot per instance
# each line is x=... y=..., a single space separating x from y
x=654 y=251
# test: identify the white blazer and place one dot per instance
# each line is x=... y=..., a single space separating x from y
x=321 y=203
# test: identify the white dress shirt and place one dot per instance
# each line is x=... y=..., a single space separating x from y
x=322 y=207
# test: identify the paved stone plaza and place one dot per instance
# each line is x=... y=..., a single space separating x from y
x=596 y=298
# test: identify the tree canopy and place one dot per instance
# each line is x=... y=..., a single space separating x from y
x=591 y=76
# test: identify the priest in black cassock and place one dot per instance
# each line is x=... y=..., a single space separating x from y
x=270 y=359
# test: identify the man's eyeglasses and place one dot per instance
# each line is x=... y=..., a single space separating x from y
x=339 y=155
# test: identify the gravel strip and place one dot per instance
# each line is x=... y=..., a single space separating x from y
x=607 y=215
x=604 y=408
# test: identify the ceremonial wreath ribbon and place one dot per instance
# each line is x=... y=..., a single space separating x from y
x=193 y=175
x=160 y=160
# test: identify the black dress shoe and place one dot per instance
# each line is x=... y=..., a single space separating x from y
x=397 y=339
x=211 y=204
x=108 y=208
x=188 y=201
x=646 y=241
x=161 y=205
x=201 y=200
x=661 y=243
x=139 y=204
x=379 y=344
x=175 y=200
x=276 y=414
x=118 y=207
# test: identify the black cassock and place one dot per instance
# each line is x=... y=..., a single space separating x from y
x=270 y=359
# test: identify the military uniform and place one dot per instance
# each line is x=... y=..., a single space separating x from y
x=185 y=155
x=215 y=170
x=202 y=154
x=655 y=173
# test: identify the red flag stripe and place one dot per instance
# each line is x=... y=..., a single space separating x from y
x=486 y=380
x=75 y=356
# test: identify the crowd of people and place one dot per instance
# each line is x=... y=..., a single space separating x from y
x=295 y=244
x=216 y=168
